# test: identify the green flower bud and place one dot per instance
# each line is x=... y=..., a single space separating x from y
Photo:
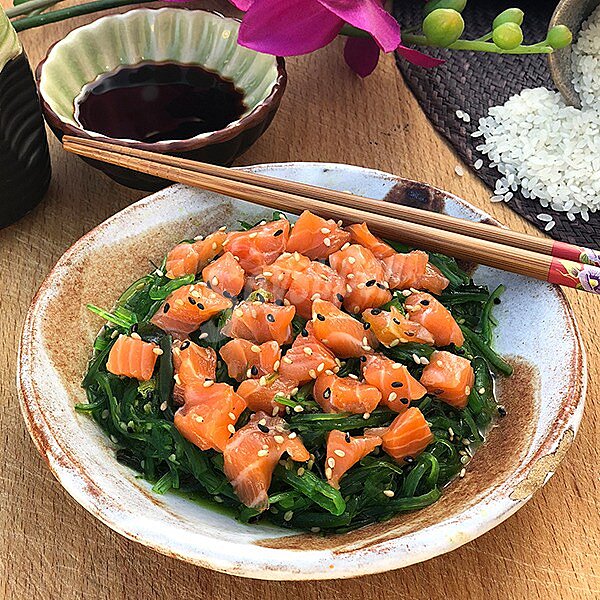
x=457 y=5
x=507 y=36
x=443 y=27
x=510 y=15
x=559 y=37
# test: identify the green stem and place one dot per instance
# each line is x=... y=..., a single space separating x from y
x=72 y=11
x=484 y=38
x=27 y=7
x=351 y=31
x=478 y=46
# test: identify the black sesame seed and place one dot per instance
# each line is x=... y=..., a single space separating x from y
x=200 y=305
x=263 y=428
x=409 y=333
x=375 y=311
x=425 y=302
x=363 y=359
x=381 y=286
x=397 y=384
x=185 y=344
x=227 y=294
x=166 y=307
x=254 y=370
x=134 y=328
x=501 y=411
x=397 y=321
x=347 y=437
x=404 y=400
x=191 y=300
x=304 y=333
x=367 y=326
x=260 y=298
x=278 y=232
x=339 y=297
x=320 y=317
x=409 y=459
x=497 y=300
x=270 y=318
x=370 y=283
x=327 y=393
x=279 y=302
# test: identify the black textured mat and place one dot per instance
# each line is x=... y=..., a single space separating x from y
x=473 y=82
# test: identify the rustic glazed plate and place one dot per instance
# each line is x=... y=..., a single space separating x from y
x=544 y=399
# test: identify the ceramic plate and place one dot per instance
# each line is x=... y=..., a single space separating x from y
x=544 y=399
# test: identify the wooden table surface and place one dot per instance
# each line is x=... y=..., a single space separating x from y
x=51 y=548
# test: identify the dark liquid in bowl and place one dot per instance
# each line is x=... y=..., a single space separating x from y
x=153 y=102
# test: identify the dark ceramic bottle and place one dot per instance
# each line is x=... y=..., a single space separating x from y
x=24 y=158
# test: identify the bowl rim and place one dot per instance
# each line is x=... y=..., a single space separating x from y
x=268 y=563
x=257 y=115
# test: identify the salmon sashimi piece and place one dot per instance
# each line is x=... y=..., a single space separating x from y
x=259 y=246
x=317 y=281
x=365 y=277
x=187 y=308
x=260 y=394
x=360 y=234
x=307 y=358
x=191 y=363
x=345 y=394
x=225 y=275
x=407 y=436
x=132 y=357
x=392 y=327
x=404 y=270
x=190 y=258
x=246 y=360
x=449 y=377
x=340 y=332
x=423 y=308
x=261 y=322
x=344 y=451
x=279 y=273
x=316 y=237
x=252 y=454
x=433 y=280
x=208 y=417
x=397 y=386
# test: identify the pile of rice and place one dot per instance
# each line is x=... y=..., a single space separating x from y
x=549 y=150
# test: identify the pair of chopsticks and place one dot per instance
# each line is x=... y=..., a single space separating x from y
x=486 y=244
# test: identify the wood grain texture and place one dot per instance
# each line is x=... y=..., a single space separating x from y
x=50 y=548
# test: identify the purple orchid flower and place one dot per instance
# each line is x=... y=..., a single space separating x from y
x=298 y=27
x=589 y=277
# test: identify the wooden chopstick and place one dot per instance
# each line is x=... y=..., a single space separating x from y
x=483 y=231
x=459 y=245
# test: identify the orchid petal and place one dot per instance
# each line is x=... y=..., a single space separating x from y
x=361 y=55
x=242 y=4
x=288 y=28
x=418 y=58
x=369 y=16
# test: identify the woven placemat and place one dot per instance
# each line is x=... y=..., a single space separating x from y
x=473 y=82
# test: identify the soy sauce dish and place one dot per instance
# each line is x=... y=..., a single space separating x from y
x=542 y=401
x=170 y=80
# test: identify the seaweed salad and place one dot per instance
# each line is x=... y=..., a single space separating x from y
x=310 y=374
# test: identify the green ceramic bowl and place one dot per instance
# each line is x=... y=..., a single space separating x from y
x=177 y=35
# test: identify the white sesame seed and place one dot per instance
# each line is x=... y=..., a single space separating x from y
x=275 y=411
x=424 y=360
x=279 y=439
x=345 y=246
x=288 y=515
x=467 y=390
x=416 y=358
x=392 y=396
x=214 y=245
x=163 y=406
x=253 y=235
x=199 y=418
x=292 y=435
x=308 y=350
x=294 y=391
x=462 y=472
x=350 y=276
x=406 y=293
x=459 y=170
x=230 y=428
x=203 y=336
x=366 y=416
x=351 y=260
x=301 y=471
x=276 y=365
x=298 y=408
x=331 y=462
x=263 y=452
x=262 y=380
x=287 y=360
x=320 y=367
x=328 y=473
x=339 y=452
x=136 y=336
x=255 y=348
x=325 y=230
x=481 y=390
x=312 y=373
x=389 y=493
x=238 y=312
x=176 y=378
x=157 y=351
x=248 y=373
x=394 y=343
x=315 y=529
x=208 y=383
x=198 y=238
x=267 y=274
x=232 y=416
x=478 y=164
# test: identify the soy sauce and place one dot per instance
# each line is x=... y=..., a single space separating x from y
x=153 y=102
